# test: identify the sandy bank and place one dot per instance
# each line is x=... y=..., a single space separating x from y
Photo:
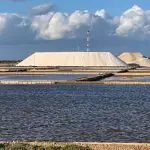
x=54 y=82
x=92 y=145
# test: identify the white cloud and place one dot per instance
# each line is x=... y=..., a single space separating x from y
x=12 y=20
x=63 y=25
x=2 y=22
x=65 y=31
x=79 y=18
x=42 y=9
x=134 y=23
x=103 y=14
x=14 y=28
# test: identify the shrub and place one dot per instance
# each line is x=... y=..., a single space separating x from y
x=54 y=148
x=2 y=147
x=75 y=147
x=19 y=146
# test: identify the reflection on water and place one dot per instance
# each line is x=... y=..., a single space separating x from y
x=75 y=113
x=41 y=77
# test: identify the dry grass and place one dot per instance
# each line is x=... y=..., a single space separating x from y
x=72 y=146
x=40 y=146
x=121 y=146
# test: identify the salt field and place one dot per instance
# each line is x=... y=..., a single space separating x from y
x=74 y=75
x=75 y=113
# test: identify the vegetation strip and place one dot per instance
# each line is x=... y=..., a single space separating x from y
x=72 y=146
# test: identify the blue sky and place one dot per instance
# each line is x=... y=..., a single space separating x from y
x=27 y=26
x=114 y=7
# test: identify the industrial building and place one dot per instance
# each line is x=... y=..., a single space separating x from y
x=74 y=59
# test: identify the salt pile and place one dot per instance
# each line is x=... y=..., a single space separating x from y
x=143 y=62
x=72 y=59
x=135 y=58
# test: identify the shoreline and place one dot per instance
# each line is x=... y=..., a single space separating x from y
x=127 y=74
x=64 y=82
x=91 y=145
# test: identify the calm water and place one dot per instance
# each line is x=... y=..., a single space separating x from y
x=66 y=77
x=75 y=113
x=145 y=78
x=41 y=77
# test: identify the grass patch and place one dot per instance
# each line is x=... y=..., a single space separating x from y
x=69 y=146
x=19 y=146
x=23 y=146
x=75 y=147
x=2 y=146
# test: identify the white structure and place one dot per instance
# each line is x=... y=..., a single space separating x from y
x=135 y=58
x=72 y=59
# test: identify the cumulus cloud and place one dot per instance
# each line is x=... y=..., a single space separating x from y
x=134 y=23
x=15 y=28
x=2 y=22
x=103 y=14
x=47 y=24
x=48 y=29
x=43 y=9
x=63 y=25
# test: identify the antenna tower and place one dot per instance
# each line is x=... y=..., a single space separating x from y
x=88 y=41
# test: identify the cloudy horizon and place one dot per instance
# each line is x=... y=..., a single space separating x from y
x=46 y=28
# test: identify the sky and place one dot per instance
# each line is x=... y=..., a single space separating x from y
x=27 y=26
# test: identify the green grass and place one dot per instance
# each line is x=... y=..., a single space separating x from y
x=2 y=146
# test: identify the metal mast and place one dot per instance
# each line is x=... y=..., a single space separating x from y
x=88 y=41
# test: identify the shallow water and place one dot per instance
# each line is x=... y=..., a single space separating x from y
x=144 y=79
x=68 y=77
x=41 y=77
x=75 y=113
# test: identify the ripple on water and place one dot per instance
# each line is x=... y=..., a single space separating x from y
x=75 y=113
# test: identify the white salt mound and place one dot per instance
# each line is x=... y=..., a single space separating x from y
x=130 y=57
x=135 y=58
x=143 y=62
x=72 y=59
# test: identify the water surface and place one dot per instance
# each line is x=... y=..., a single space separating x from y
x=75 y=113
x=42 y=77
x=141 y=79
